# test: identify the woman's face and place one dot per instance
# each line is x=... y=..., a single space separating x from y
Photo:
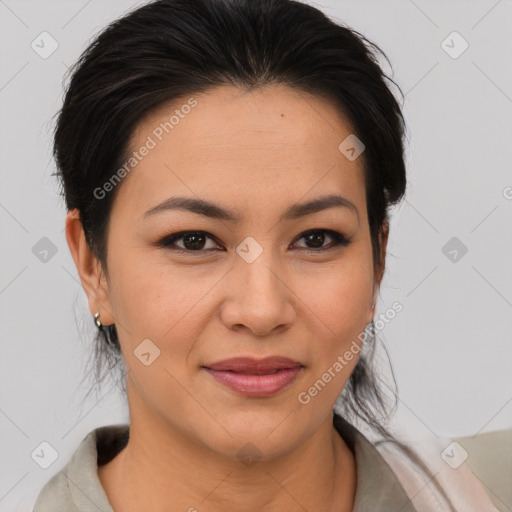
x=254 y=285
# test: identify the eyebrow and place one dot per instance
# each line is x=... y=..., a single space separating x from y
x=214 y=211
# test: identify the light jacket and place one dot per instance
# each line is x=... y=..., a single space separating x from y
x=387 y=479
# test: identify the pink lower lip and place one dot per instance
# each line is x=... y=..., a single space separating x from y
x=256 y=385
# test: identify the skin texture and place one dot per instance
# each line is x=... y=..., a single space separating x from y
x=256 y=153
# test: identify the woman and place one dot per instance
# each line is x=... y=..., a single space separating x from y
x=228 y=167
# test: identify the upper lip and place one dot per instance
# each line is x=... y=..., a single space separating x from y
x=250 y=364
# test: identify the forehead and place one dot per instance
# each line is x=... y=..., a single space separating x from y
x=265 y=145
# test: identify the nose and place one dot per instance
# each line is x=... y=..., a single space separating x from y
x=259 y=299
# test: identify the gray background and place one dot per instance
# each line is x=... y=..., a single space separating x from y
x=450 y=346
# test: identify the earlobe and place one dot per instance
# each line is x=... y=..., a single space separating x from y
x=89 y=268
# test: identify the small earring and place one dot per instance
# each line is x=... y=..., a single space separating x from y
x=97 y=320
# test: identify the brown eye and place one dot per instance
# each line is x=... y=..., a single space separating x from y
x=316 y=238
x=192 y=241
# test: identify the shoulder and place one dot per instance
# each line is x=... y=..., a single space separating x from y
x=55 y=496
x=420 y=463
x=78 y=480
x=490 y=457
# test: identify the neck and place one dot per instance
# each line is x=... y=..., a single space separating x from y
x=168 y=471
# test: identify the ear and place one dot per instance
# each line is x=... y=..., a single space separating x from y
x=383 y=238
x=89 y=269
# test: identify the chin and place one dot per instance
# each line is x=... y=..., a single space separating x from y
x=268 y=435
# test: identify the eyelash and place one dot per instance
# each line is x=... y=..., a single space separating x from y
x=168 y=241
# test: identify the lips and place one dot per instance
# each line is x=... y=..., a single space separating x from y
x=254 y=366
x=253 y=377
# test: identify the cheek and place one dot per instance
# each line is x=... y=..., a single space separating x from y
x=341 y=295
x=338 y=304
x=150 y=301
